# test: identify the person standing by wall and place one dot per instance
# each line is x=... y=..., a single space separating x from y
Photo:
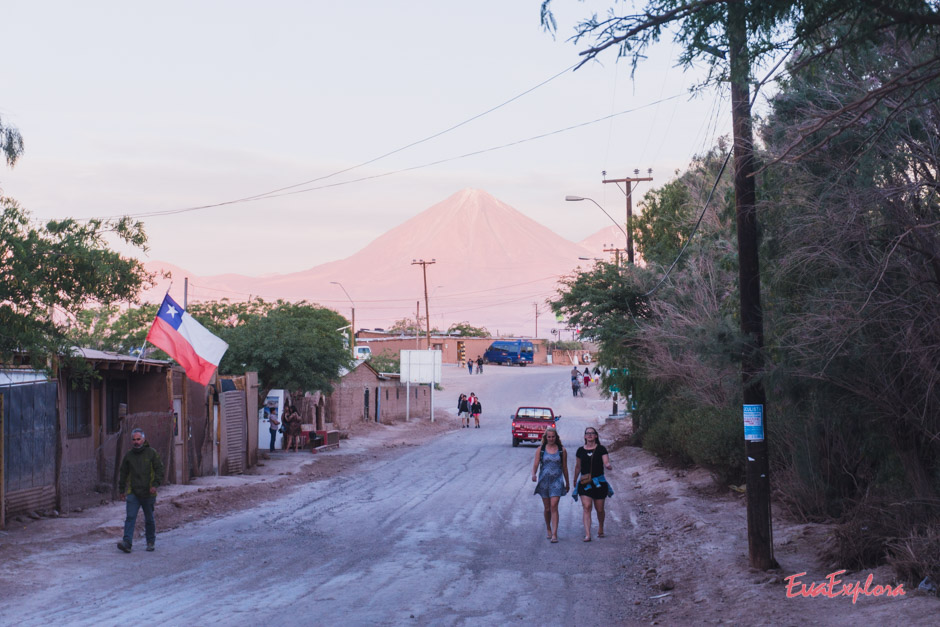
x=479 y=364
x=273 y=424
x=470 y=365
x=551 y=463
x=292 y=428
x=141 y=474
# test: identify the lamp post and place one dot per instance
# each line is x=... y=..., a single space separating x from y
x=617 y=224
x=352 y=326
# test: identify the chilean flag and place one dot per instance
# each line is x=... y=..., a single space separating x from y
x=185 y=340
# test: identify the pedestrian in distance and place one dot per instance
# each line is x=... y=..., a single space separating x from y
x=587 y=377
x=476 y=408
x=576 y=387
x=479 y=365
x=273 y=424
x=592 y=486
x=551 y=464
x=292 y=429
x=463 y=411
x=141 y=473
x=575 y=374
x=470 y=365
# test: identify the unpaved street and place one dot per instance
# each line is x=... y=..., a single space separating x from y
x=446 y=533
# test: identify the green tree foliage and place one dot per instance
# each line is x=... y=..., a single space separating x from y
x=11 y=143
x=110 y=328
x=50 y=273
x=294 y=346
x=408 y=326
x=386 y=362
x=465 y=329
x=856 y=234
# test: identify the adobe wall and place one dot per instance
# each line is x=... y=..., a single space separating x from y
x=348 y=403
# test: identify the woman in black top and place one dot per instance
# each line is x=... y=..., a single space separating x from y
x=476 y=408
x=592 y=459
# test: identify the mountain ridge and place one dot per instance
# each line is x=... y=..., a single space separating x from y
x=492 y=264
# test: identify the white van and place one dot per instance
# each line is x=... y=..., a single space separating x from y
x=363 y=352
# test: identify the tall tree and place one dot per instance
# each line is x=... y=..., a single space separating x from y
x=295 y=346
x=50 y=273
x=732 y=36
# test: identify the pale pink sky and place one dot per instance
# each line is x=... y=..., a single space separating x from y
x=128 y=109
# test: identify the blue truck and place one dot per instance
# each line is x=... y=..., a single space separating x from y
x=510 y=352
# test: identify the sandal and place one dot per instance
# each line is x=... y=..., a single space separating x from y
x=554 y=540
x=600 y=534
x=587 y=539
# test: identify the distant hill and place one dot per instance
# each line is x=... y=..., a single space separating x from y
x=607 y=238
x=492 y=265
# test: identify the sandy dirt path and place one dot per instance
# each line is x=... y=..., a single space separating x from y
x=424 y=524
x=447 y=532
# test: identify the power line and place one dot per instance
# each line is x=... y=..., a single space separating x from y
x=271 y=195
x=275 y=192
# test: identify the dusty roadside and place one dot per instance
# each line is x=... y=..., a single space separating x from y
x=207 y=497
x=695 y=533
x=691 y=534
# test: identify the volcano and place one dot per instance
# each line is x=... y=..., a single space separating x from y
x=492 y=267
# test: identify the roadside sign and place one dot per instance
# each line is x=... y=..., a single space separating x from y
x=754 y=423
x=421 y=366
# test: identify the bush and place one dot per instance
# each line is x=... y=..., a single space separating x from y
x=706 y=436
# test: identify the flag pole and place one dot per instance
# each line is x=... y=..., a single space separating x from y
x=144 y=345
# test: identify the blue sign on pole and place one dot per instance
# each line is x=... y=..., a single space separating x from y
x=754 y=423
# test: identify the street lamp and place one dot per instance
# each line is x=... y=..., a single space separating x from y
x=617 y=224
x=352 y=326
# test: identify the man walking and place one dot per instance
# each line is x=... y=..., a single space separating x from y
x=141 y=473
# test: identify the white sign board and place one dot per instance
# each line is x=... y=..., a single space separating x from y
x=421 y=366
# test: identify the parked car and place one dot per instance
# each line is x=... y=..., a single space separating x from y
x=530 y=423
x=363 y=352
x=510 y=352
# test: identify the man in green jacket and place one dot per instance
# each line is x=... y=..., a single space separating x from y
x=141 y=473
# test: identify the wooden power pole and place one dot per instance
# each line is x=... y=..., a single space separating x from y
x=427 y=312
x=757 y=466
x=629 y=191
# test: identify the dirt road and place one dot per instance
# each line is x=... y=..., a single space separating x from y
x=445 y=533
x=410 y=526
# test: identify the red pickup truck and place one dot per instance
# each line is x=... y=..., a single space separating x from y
x=529 y=423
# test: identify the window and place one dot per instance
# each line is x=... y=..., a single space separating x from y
x=78 y=412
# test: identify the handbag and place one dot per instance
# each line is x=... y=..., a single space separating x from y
x=584 y=479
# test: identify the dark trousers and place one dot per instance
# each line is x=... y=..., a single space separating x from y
x=273 y=438
x=134 y=504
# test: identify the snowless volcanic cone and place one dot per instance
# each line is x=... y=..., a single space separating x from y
x=492 y=264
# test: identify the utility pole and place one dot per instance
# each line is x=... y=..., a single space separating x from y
x=757 y=467
x=616 y=252
x=629 y=192
x=536 y=320
x=417 y=322
x=427 y=312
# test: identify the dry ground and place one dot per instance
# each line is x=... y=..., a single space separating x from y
x=692 y=533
